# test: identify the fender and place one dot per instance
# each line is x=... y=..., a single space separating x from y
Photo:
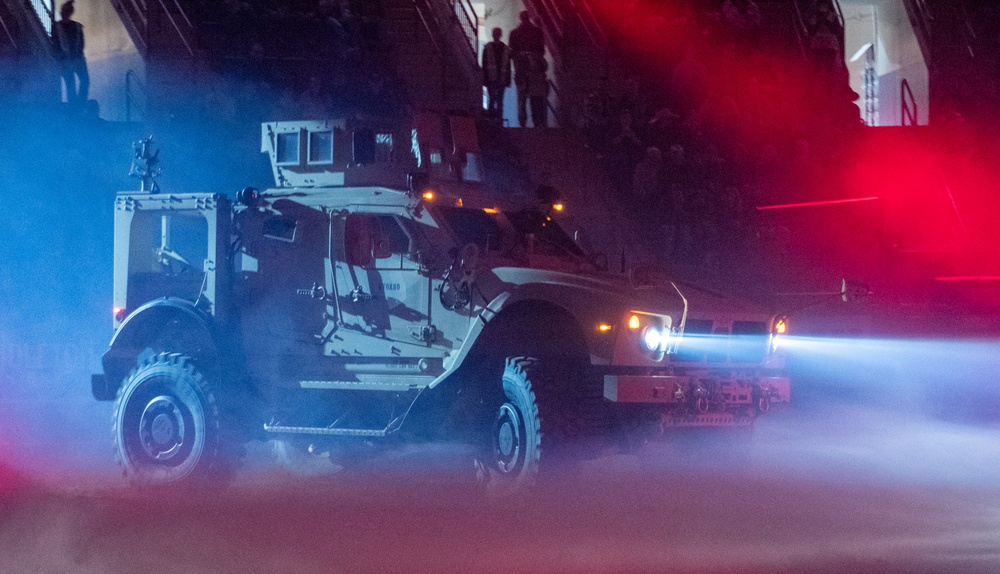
x=590 y=305
x=489 y=338
x=141 y=328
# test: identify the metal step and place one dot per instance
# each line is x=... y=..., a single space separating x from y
x=706 y=420
x=279 y=428
x=390 y=383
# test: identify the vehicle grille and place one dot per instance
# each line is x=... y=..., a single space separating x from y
x=738 y=342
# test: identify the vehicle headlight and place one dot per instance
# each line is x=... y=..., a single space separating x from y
x=653 y=338
x=652 y=332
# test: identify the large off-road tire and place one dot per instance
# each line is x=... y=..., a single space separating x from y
x=541 y=425
x=515 y=448
x=168 y=426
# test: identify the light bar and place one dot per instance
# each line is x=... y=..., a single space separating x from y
x=815 y=203
x=968 y=278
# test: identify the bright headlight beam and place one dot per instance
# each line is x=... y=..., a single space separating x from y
x=652 y=338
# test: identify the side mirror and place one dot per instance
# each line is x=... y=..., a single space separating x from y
x=851 y=290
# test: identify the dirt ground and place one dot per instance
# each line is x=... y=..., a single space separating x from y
x=850 y=490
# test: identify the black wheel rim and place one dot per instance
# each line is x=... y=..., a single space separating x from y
x=508 y=439
x=161 y=428
x=162 y=431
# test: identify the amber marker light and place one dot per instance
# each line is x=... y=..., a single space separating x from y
x=780 y=326
x=428 y=195
x=491 y=210
x=634 y=322
x=558 y=206
x=604 y=328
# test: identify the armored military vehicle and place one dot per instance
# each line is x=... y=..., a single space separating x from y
x=377 y=295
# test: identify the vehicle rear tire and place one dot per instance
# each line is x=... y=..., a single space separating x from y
x=168 y=426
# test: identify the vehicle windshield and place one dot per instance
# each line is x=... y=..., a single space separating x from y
x=548 y=235
x=505 y=231
x=474 y=226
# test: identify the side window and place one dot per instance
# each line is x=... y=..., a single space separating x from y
x=288 y=149
x=372 y=147
x=369 y=237
x=321 y=147
x=383 y=147
x=395 y=238
x=280 y=228
x=359 y=241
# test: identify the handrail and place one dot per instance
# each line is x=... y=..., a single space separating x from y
x=177 y=28
x=840 y=13
x=134 y=17
x=905 y=112
x=420 y=6
x=471 y=24
x=922 y=15
x=970 y=29
x=551 y=25
x=548 y=103
x=7 y=31
x=46 y=13
x=550 y=12
x=801 y=31
x=130 y=100
x=139 y=9
x=593 y=28
x=558 y=14
x=183 y=14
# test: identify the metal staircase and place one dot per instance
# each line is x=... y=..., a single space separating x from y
x=29 y=72
x=436 y=53
x=959 y=51
x=580 y=52
x=160 y=28
x=434 y=46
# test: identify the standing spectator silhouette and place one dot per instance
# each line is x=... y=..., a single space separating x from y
x=538 y=91
x=526 y=41
x=496 y=74
x=67 y=45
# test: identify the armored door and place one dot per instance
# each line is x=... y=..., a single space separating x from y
x=382 y=295
x=282 y=260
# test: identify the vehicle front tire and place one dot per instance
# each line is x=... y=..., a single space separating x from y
x=168 y=425
x=516 y=433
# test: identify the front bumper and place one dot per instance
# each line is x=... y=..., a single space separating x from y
x=677 y=389
x=698 y=398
